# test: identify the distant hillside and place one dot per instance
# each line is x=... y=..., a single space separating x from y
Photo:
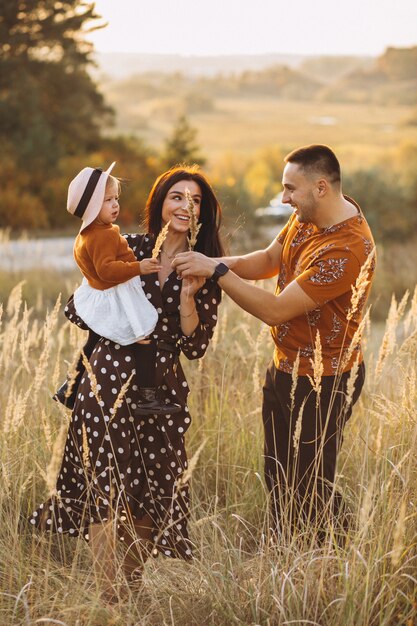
x=277 y=81
x=200 y=80
x=119 y=65
x=392 y=79
x=330 y=68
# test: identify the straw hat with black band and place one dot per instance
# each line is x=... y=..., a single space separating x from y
x=86 y=194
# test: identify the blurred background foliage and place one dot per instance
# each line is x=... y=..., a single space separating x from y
x=58 y=112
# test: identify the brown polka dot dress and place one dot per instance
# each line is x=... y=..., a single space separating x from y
x=118 y=464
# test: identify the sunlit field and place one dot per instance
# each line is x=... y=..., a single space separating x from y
x=243 y=125
x=238 y=575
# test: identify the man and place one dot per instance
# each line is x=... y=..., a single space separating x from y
x=324 y=258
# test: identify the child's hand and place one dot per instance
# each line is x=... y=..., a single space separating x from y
x=149 y=266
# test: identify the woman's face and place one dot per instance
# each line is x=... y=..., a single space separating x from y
x=174 y=207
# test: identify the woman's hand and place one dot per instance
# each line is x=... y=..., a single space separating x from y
x=188 y=309
x=190 y=286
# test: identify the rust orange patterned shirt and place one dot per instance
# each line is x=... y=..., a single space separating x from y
x=326 y=263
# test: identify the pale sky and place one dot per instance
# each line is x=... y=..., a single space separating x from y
x=215 y=27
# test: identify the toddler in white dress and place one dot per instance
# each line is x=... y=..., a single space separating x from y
x=110 y=300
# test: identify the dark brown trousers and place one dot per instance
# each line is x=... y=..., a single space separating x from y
x=300 y=458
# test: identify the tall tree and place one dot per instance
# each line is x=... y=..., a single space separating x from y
x=181 y=146
x=49 y=105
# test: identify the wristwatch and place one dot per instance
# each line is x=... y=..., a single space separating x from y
x=221 y=270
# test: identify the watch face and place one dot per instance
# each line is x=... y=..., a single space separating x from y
x=221 y=270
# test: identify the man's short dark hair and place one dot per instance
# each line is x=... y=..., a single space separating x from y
x=317 y=160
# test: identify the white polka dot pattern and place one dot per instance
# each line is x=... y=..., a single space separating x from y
x=132 y=463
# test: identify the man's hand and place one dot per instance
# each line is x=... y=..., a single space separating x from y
x=194 y=264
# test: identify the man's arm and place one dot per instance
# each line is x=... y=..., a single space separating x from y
x=271 y=309
x=256 y=265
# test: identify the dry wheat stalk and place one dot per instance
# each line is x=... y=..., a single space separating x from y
x=160 y=240
x=389 y=340
x=14 y=301
x=411 y=319
x=46 y=429
x=318 y=368
x=86 y=447
x=356 y=340
x=194 y=225
x=402 y=305
x=409 y=345
x=48 y=328
x=27 y=482
x=8 y=412
x=72 y=374
x=294 y=379
x=362 y=282
x=191 y=466
x=57 y=368
x=19 y=409
x=398 y=536
x=10 y=338
x=55 y=462
x=5 y=476
x=93 y=380
x=23 y=344
x=378 y=441
x=350 y=384
x=298 y=426
x=367 y=508
x=118 y=402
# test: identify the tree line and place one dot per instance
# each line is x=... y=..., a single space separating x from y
x=53 y=117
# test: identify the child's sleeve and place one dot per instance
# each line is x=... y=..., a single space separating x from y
x=105 y=255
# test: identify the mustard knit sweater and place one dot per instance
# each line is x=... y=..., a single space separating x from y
x=104 y=256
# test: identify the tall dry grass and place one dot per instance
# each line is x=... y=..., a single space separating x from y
x=238 y=576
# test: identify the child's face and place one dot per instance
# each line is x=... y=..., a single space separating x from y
x=110 y=208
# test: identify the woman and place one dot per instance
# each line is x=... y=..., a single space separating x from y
x=121 y=471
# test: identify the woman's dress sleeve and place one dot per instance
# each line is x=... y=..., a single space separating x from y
x=207 y=301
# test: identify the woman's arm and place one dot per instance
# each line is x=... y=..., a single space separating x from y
x=198 y=327
x=189 y=318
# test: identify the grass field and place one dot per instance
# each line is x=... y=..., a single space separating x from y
x=237 y=577
x=244 y=125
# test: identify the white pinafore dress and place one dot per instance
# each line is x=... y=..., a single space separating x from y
x=122 y=313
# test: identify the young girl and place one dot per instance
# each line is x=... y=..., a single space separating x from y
x=110 y=300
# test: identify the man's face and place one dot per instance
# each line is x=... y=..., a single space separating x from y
x=299 y=193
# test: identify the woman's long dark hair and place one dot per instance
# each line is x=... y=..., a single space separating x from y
x=208 y=240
